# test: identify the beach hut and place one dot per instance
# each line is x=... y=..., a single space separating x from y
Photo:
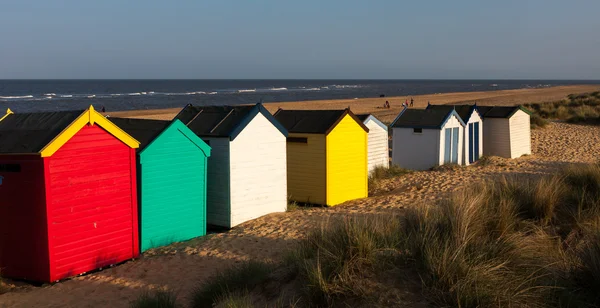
x=473 y=130
x=327 y=155
x=378 y=143
x=425 y=138
x=172 y=164
x=68 y=200
x=246 y=169
x=506 y=131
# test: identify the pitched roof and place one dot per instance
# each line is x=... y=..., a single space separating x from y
x=500 y=111
x=31 y=132
x=364 y=117
x=464 y=111
x=44 y=133
x=143 y=130
x=424 y=118
x=313 y=121
x=222 y=121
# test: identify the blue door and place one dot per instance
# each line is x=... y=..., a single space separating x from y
x=455 y=145
x=476 y=138
x=448 y=146
x=470 y=152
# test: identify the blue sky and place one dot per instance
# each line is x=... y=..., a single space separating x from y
x=547 y=39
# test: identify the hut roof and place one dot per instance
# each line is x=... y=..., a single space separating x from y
x=45 y=132
x=424 y=118
x=313 y=121
x=31 y=132
x=222 y=121
x=501 y=111
x=464 y=111
x=143 y=130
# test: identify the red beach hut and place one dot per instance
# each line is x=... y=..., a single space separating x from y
x=67 y=194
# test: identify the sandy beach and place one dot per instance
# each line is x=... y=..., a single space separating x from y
x=373 y=105
x=181 y=267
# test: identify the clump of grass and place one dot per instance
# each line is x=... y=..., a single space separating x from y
x=234 y=300
x=292 y=206
x=577 y=108
x=538 y=122
x=380 y=173
x=239 y=279
x=157 y=299
x=331 y=259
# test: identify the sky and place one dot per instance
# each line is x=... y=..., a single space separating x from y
x=260 y=39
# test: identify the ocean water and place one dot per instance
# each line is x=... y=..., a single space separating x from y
x=49 y=95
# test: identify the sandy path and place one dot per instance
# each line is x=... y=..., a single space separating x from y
x=180 y=267
x=372 y=105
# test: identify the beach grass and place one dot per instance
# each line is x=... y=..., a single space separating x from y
x=576 y=108
x=521 y=242
x=231 y=284
x=156 y=299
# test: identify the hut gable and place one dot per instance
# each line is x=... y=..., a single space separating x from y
x=258 y=171
x=327 y=155
x=248 y=146
x=44 y=133
x=171 y=181
x=378 y=143
x=73 y=189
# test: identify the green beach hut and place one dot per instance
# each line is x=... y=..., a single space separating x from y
x=172 y=164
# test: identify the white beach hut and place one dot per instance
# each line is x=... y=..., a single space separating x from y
x=247 y=175
x=473 y=130
x=378 y=144
x=425 y=138
x=506 y=131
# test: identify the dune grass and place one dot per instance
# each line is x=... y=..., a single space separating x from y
x=514 y=242
x=576 y=108
x=232 y=284
x=157 y=299
x=380 y=173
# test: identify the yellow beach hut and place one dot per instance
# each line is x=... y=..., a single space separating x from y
x=326 y=155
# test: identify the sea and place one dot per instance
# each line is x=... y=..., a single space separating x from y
x=117 y=95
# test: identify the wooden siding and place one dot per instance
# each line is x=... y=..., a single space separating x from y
x=92 y=210
x=496 y=137
x=218 y=211
x=415 y=151
x=23 y=229
x=346 y=162
x=378 y=146
x=520 y=134
x=306 y=169
x=172 y=190
x=258 y=171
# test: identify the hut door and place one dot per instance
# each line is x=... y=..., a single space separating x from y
x=455 y=145
x=451 y=146
x=476 y=141
x=448 y=146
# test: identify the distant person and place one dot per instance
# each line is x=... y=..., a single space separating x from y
x=411 y=101
x=387 y=104
x=103 y=109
